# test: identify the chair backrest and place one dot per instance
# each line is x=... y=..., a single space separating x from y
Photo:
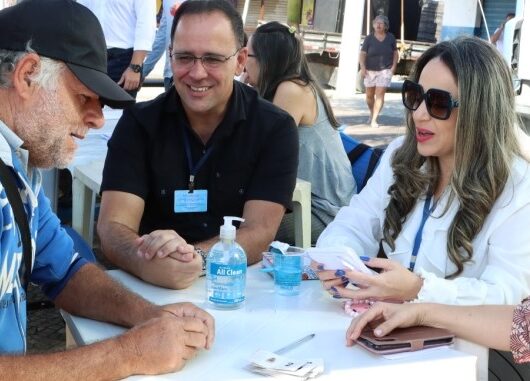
x=363 y=158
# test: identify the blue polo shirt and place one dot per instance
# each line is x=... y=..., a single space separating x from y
x=54 y=260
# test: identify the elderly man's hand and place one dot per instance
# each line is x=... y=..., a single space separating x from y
x=164 y=344
x=190 y=310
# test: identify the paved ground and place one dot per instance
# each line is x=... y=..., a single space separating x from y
x=353 y=113
x=45 y=325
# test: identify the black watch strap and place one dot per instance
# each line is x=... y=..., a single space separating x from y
x=136 y=68
x=203 y=255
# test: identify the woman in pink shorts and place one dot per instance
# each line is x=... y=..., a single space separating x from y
x=378 y=62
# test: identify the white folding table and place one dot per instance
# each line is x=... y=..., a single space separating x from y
x=269 y=321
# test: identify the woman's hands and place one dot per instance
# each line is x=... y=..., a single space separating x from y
x=395 y=282
x=391 y=315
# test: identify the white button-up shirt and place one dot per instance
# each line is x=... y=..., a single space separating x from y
x=126 y=23
x=499 y=272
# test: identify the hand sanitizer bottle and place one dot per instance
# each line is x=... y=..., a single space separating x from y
x=226 y=269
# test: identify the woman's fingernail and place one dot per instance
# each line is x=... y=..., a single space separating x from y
x=344 y=279
x=365 y=259
x=320 y=267
x=334 y=290
x=337 y=296
x=340 y=273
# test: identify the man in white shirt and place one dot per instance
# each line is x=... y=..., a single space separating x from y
x=497 y=37
x=129 y=27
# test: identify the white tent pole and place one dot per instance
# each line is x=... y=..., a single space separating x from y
x=245 y=11
x=484 y=18
x=349 y=48
x=368 y=21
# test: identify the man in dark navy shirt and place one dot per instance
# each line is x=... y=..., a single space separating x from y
x=208 y=148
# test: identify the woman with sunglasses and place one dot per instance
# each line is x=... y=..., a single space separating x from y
x=378 y=61
x=445 y=216
x=278 y=69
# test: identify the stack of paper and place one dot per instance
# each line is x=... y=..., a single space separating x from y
x=272 y=364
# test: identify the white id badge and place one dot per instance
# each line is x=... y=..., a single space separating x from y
x=186 y=202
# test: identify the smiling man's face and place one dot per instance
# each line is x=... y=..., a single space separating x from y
x=206 y=91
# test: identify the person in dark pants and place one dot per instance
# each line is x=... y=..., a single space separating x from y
x=129 y=27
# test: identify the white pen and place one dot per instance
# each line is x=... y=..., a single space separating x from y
x=288 y=347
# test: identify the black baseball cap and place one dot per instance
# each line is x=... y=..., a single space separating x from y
x=65 y=31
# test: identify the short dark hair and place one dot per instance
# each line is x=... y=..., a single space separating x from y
x=196 y=7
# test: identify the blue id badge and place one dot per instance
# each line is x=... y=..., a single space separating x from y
x=186 y=202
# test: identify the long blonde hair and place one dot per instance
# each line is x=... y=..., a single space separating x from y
x=485 y=146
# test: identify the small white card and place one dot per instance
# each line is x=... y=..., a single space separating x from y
x=191 y=202
x=272 y=364
x=339 y=257
x=269 y=360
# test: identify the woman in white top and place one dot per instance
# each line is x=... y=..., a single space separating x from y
x=450 y=201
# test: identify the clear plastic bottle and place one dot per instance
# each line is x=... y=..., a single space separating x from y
x=226 y=269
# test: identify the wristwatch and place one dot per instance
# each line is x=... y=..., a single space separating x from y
x=136 y=68
x=203 y=255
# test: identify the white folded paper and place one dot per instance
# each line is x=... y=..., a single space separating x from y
x=338 y=257
x=277 y=366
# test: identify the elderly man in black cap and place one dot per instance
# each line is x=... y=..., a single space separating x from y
x=53 y=83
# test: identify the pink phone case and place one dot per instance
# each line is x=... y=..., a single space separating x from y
x=405 y=339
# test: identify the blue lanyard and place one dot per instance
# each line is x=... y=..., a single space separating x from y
x=193 y=169
x=427 y=209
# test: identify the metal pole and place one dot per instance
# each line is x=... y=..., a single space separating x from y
x=245 y=12
x=484 y=18
x=349 y=48
x=402 y=30
x=368 y=21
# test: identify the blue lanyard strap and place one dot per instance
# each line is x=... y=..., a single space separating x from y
x=193 y=169
x=427 y=209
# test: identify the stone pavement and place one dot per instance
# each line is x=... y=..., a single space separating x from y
x=353 y=113
x=45 y=325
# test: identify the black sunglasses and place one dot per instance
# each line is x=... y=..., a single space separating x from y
x=439 y=103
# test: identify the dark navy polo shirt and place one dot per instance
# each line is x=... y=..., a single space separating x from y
x=254 y=157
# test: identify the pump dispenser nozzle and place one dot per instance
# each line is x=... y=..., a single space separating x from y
x=228 y=230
